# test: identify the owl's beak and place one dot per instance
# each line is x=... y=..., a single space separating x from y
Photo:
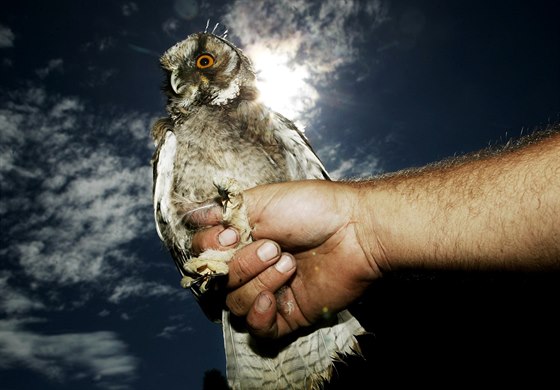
x=175 y=81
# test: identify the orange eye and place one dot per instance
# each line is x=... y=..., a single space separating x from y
x=204 y=61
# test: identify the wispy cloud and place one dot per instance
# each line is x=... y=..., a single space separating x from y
x=14 y=301
x=310 y=39
x=170 y=26
x=129 y=8
x=53 y=65
x=7 y=37
x=171 y=331
x=76 y=191
x=72 y=193
x=353 y=164
x=133 y=287
x=98 y=357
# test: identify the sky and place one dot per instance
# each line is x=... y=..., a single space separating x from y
x=89 y=297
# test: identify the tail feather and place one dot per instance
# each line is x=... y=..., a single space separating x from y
x=305 y=362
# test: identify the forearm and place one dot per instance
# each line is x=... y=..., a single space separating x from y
x=500 y=211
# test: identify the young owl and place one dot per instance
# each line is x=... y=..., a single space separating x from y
x=217 y=141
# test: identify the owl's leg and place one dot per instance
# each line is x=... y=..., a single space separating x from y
x=234 y=210
x=211 y=263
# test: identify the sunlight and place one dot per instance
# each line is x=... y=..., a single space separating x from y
x=285 y=87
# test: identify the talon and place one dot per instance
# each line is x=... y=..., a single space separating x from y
x=197 y=285
x=223 y=197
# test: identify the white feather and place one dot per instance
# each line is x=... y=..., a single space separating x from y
x=164 y=180
x=225 y=95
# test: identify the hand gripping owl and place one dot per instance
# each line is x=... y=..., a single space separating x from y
x=217 y=141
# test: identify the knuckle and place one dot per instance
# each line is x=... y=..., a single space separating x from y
x=242 y=270
x=236 y=305
x=262 y=282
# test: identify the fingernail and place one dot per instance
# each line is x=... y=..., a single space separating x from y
x=267 y=251
x=263 y=303
x=227 y=237
x=285 y=264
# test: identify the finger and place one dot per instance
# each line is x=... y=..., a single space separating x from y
x=250 y=261
x=289 y=316
x=271 y=279
x=261 y=320
x=206 y=214
x=275 y=315
x=215 y=237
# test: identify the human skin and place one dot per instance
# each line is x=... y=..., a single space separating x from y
x=329 y=241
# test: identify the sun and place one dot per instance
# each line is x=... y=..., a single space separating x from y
x=284 y=85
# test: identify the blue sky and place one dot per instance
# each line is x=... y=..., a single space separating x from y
x=90 y=299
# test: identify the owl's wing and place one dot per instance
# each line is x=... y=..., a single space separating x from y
x=302 y=161
x=163 y=164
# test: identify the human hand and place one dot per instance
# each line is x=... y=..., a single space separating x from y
x=316 y=221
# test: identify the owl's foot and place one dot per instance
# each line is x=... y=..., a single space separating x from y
x=233 y=208
x=229 y=195
x=200 y=270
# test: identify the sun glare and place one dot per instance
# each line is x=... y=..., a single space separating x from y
x=285 y=87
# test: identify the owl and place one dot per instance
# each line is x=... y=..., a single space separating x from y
x=217 y=140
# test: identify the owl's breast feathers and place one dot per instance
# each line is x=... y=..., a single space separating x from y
x=247 y=142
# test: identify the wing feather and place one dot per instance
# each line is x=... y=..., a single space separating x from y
x=163 y=181
x=301 y=159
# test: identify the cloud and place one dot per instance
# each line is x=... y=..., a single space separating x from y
x=171 y=331
x=133 y=288
x=53 y=65
x=129 y=8
x=170 y=26
x=14 y=301
x=76 y=187
x=349 y=164
x=76 y=191
x=98 y=357
x=6 y=37
x=312 y=39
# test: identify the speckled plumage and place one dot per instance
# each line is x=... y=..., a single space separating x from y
x=219 y=136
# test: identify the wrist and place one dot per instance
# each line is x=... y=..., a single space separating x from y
x=393 y=230
x=370 y=235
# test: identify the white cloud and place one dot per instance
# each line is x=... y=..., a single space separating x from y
x=76 y=191
x=76 y=187
x=99 y=357
x=171 y=331
x=170 y=26
x=14 y=301
x=133 y=288
x=362 y=164
x=53 y=65
x=311 y=41
x=129 y=8
x=6 y=37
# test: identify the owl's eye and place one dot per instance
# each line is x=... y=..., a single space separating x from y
x=204 y=61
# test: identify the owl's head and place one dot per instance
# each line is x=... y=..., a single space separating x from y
x=205 y=69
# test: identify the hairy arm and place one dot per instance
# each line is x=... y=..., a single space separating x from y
x=492 y=210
